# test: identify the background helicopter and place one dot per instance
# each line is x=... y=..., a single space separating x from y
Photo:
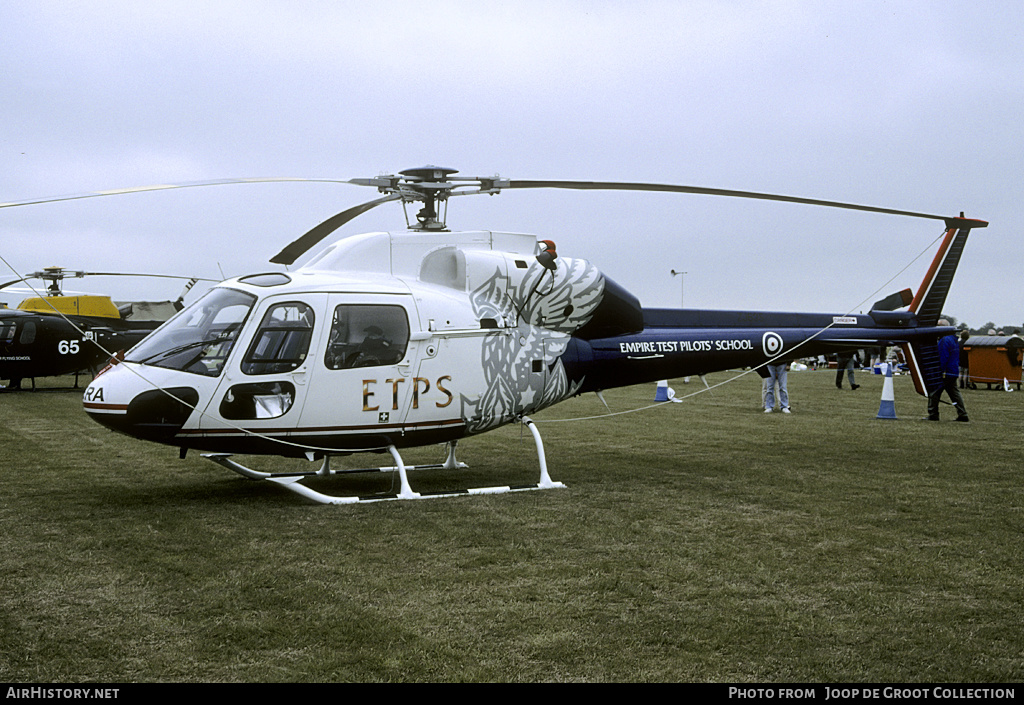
x=385 y=341
x=57 y=334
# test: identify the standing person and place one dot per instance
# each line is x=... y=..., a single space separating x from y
x=845 y=364
x=965 y=377
x=949 y=365
x=777 y=374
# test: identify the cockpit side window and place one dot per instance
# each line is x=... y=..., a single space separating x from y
x=7 y=332
x=366 y=335
x=199 y=339
x=28 y=333
x=282 y=340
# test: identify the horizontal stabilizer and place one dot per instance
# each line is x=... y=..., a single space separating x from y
x=894 y=301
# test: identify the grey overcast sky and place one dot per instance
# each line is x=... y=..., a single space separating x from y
x=914 y=105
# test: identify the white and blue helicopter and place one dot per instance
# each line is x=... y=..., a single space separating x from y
x=391 y=340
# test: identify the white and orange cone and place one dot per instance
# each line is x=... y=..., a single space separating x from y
x=887 y=409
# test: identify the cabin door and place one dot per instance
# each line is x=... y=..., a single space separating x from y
x=361 y=384
x=263 y=388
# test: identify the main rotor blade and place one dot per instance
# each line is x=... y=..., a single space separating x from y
x=700 y=190
x=135 y=274
x=168 y=187
x=79 y=275
x=300 y=246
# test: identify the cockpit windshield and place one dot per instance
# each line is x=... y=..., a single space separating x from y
x=199 y=339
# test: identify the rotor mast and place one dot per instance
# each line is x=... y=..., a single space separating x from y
x=430 y=185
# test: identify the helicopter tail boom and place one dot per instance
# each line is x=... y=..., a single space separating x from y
x=677 y=343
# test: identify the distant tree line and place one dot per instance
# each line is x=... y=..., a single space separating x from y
x=987 y=328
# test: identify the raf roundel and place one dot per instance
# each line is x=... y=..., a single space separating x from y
x=772 y=344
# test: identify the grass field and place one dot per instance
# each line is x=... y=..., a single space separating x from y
x=702 y=541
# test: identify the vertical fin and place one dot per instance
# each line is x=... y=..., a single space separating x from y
x=923 y=357
x=931 y=296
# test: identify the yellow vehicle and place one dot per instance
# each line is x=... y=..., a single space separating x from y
x=54 y=335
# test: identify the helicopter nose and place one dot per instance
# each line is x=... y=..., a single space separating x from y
x=150 y=414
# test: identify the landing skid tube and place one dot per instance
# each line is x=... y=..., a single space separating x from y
x=293 y=481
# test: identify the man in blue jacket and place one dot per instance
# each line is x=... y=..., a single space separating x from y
x=949 y=363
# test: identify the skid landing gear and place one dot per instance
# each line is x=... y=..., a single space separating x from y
x=293 y=481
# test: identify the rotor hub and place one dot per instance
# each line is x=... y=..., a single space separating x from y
x=428 y=173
